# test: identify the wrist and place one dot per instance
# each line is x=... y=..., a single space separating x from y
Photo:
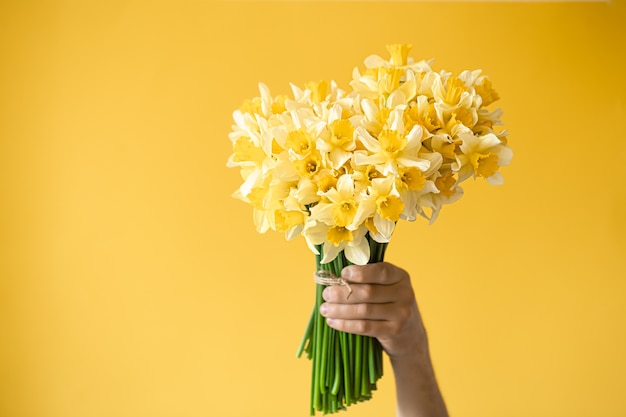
x=415 y=360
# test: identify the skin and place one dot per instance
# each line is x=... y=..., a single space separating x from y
x=383 y=305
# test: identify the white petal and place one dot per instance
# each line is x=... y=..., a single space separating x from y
x=331 y=251
x=421 y=164
x=368 y=140
x=322 y=213
x=414 y=138
x=265 y=91
x=253 y=179
x=465 y=172
x=409 y=87
x=365 y=209
x=358 y=254
x=338 y=157
x=261 y=220
x=311 y=246
x=314 y=232
x=369 y=109
x=374 y=61
x=364 y=159
x=488 y=141
x=335 y=113
x=385 y=227
x=396 y=98
x=345 y=185
x=396 y=117
x=379 y=238
x=409 y=198
x=297 y=92
x=496 y=179
x=505 y=154
x=293 y=232
x=383 y=185
x=435 y=160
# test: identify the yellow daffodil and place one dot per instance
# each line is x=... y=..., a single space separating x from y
x=289 y=221
x=338 y=140
x=481 y=157
x=383 y=204
x=341 y=206
x=436 y=199
x=335 y=239
x=392 y=148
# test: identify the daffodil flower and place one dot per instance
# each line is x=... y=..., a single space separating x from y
x=392 y=148
x=454 y=98
x=335 y=239
x=435 y=199
x=337 y=141
x=341 y=206
x=383 y=204
x=481 y=157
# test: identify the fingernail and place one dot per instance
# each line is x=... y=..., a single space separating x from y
x=346 y=272
x=326 y=294
x=323 y=309
x=329 y=321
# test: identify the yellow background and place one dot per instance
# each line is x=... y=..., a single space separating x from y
x=133 y=285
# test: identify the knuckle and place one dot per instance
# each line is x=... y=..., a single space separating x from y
x=329 y=294
x=395 y=327
x=362 y=327
x=367 y=291
x=385 y=272
x=363 y=310
x=404 y=313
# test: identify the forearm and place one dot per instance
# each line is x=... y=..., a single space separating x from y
x=417 y=390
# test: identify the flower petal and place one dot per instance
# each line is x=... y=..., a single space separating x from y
x=358 y=254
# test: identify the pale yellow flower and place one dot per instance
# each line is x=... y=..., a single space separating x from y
x=481 y=157
x=289 y=221
x=383 y=204
x=341 y=206
x=455 y=100
x=392 y=148
x=335 y=239
x=444 y=190
x=337 y=141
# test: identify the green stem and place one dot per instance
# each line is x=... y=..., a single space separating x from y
x=371 y=361
x=323 y=381
x=338 y=368
x=365 y=383
x=345 y=355
x=307 y=334
x=317 y=358
x=345 y=366
x=357 y=365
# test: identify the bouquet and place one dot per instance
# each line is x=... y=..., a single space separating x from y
x=342 y=167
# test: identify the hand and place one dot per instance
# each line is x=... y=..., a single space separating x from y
x=382 y=305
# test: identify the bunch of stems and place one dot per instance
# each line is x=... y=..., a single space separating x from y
x=345 y=366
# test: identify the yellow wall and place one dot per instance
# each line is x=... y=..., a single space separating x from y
x=133 y=285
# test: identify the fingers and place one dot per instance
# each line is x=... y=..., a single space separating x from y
x=382 y=273
x=373 y=283
x=363 y=293
x=363 y=311
x=380 y=305
x=374 y=328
